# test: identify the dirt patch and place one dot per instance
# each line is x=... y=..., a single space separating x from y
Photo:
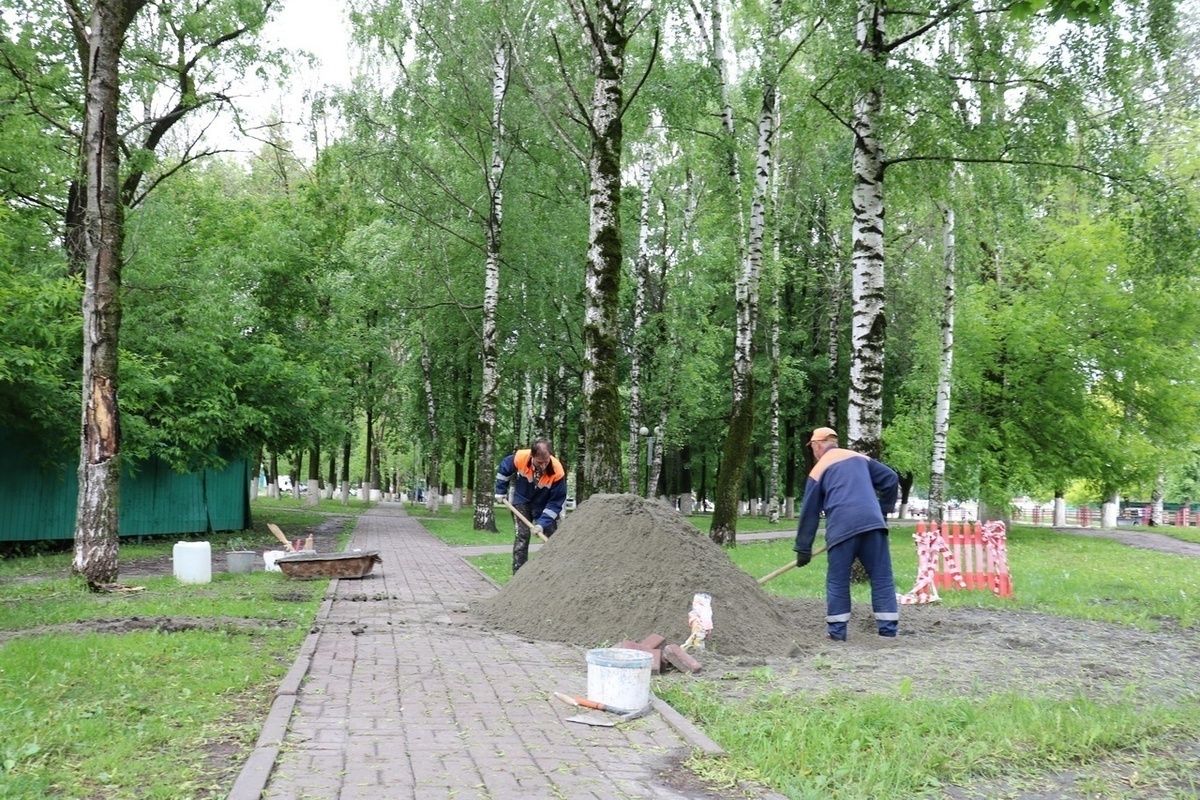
x=622 y=567
x=161 y=624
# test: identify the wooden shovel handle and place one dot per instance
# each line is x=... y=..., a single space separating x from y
x=521 y=517
x=273 y=528
x=785 y=568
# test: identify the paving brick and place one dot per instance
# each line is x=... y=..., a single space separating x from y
x=677 y=657
x=653 y=642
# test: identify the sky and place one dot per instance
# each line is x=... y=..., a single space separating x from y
x=316 y=26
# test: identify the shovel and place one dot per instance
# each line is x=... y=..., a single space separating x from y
x=521 y=517
x=785 y=568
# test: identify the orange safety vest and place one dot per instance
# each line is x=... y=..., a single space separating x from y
x=554 y=470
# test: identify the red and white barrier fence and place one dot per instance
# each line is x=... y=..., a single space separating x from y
x=959 y=556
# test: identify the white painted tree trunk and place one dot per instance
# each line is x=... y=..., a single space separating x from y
x=1060 y=512
x=941 y=412
x=1156 y=499
x=868 y=328
x=1108 y=512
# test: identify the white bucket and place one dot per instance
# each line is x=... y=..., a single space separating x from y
x=270 y=557
x=619 y=677
x=192 y=562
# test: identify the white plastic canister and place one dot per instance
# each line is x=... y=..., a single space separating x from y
x=619 y=677
x=193 y=562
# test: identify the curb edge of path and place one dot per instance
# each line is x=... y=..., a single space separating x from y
x=252 y=780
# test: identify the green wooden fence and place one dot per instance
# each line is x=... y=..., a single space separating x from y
x=38 y=502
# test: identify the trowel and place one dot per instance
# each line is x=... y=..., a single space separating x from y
x=606 y=721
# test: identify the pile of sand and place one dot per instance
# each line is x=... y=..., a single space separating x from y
x=622 y=567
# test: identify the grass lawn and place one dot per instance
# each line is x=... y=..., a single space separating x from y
x=157 y=694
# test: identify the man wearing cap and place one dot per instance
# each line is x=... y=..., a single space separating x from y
x=856 y=493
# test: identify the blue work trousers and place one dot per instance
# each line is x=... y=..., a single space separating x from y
x=871 y=548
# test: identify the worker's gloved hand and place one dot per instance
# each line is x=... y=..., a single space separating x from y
x=499 y=498
x=802 y=558
x=536 y=530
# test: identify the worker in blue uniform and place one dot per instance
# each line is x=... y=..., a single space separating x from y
x=539 y=494
x=856 y=493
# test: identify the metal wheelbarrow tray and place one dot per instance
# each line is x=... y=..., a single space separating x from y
x=313 y=566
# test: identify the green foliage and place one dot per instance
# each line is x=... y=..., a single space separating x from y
x=1075 y=10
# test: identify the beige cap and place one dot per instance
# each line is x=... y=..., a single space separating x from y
x=823 y=435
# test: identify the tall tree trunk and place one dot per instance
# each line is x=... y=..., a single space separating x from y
x=433 y=497
x=639 y=349
x=1156 y=499
x=369 y=455
x=313 y=498
x=607 y=37
x=345 y=474
x=97 y=513
x=773 y=493
x=941 y=413
x=741 y=418
x=376 y=477
x=485 y=424
x=868 y=330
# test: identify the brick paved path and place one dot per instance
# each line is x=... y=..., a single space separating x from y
x=397 y=694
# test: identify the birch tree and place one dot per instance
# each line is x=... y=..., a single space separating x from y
x=607 y=27
x=100 y=39
x=941 y=417
x=741 y=418
x=96 y=526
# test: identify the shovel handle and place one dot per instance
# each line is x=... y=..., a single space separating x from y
x=583 y=702
x=521 y=517
x=273 y=528
x=785 y=568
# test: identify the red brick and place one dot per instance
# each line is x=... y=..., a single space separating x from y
x=653 y=642
x=656 y=664
x=677 y=657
